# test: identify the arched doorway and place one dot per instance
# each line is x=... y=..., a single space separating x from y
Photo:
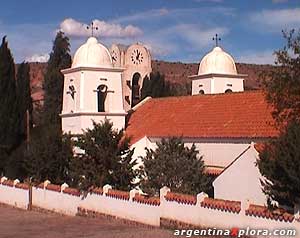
x=101 y=96
x=228 y=91
x=135 y=90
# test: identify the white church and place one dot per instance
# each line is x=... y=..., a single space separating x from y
x=224 y=122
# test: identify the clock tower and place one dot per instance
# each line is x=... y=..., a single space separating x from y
x=136 y=61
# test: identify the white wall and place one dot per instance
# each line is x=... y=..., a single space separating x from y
x=241 y=180
x=55 y=201
x=214 y=153
x=16 y=197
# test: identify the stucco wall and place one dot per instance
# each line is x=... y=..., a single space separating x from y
x=214 y=153
x=14 y=196
x=241 y=180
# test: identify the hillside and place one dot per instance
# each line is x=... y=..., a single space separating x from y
x=175 y=72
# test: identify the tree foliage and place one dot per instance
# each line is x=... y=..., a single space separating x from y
x=280 y=164
x=60 y=58
x=282 y=86
x=155 y=86
x=280 y=160
x=175 y=166
x=49 y=156
x=107 y=159
x=9 y=112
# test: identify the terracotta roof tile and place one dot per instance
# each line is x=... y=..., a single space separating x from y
x=98 y=191
x=24 y=186
x=233 y=115
x=72 y=191
x=264 y=212
x=213 y=171
x=181 y=198
x=155 y=201
x=118 y=194
x=8 y=182
x=223 y=205
x=53 y=187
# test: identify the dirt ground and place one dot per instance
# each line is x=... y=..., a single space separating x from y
x=16 y=223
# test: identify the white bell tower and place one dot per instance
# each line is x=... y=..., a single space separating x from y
x=217 y=74
x=92 y=90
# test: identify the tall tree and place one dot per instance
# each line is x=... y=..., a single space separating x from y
x=155 y=86
x=282 y=86
x=280 y=160
x=9 y=116
x=60 y=58
x=107 y=159
x=24 y=96
x=280 y=164
x=173 y=165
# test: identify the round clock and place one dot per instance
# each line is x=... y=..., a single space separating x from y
x=137 y=56
x=114 y=56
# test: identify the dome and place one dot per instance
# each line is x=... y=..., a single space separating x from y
x=92 y=54
x=217 y=61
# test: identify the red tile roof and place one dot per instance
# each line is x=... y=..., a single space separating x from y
x=98 y=191
x=223 y=205
x=213 y=171
x=72 y=191
x=181 y=198
x=24 y=186
x=232 y=115
x=8 y=182
x=53 y=187
x=264 y=212
x=118 y=194
x=154 y=201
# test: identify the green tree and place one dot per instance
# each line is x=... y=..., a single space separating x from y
x=49 y=156
x=280 y=160
x=14 y=168
x=280 y=164
x=24 y=96
x=282 y=85
x=107 y=159
x=60 y=58
x=9 y=116
x=155 y=86
x=175 y=166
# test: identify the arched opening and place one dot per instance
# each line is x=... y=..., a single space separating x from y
x=228 y=91
x=201 y=91
x=101 y=96
x=135 y=90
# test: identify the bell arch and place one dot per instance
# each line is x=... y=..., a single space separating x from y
x=101 y=97
x=135 y=89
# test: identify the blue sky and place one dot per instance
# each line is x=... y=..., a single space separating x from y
x=174 y=30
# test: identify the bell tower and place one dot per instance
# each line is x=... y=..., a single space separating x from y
x=92 y=90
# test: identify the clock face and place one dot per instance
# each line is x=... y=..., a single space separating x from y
x=137 y=57
x=114 y=56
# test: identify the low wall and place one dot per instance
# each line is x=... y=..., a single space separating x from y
x=197 y=211
x=14 y=193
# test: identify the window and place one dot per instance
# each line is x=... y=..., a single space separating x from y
x=228 y=91
x=201 y=92
x=101 y=96
x=135 y=89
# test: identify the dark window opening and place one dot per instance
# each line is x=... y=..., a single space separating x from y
x=135 y=98
x=201 y=92
x=228 y=91
x=101 y=96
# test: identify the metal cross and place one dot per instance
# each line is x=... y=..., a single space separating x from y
x=92 y=27
x=217 y=39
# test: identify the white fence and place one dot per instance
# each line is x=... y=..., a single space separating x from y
x=199 y=211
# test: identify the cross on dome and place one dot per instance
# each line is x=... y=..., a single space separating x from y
x=216 y=38
x=92 y=28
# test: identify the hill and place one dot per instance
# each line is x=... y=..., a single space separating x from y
x=175 y=72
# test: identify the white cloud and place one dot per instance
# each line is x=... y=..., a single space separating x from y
x=276 y=20
x=109 y=30
x=37 y=58
x=257 y=57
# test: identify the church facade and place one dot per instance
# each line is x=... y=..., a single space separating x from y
x=220 y=118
